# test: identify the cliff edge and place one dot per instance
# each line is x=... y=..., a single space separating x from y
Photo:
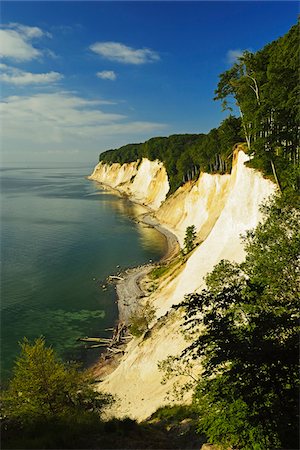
x=222 y=208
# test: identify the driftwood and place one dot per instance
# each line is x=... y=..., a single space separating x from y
x=95 y=339
x=114 y=277
x=96 y=346
x=118 y=332
x=115 y=350
x=118 y=338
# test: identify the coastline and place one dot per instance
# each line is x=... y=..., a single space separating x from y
x=128 y=289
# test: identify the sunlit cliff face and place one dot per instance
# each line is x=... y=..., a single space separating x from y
x=196 y=203
x=146 y=182
x=222 y=208
x=227 y=218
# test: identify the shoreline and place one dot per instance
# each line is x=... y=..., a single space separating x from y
x=128 y=290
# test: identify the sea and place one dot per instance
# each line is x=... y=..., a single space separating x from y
x=62 y=235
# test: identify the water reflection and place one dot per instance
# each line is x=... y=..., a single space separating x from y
x=149 y=237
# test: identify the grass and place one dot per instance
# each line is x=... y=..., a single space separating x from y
x=160 y=271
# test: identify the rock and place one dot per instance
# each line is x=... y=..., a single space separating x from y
x=210 y=447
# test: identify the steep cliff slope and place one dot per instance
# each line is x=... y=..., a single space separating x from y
x=222 y=208
x=245 y=191
x=146 y=183
x=196 y=203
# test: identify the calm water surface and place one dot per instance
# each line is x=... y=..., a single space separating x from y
x=61 y=236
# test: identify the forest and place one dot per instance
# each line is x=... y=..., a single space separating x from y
x=264 y=87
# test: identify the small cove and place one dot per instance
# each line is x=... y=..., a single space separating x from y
x=61 y=236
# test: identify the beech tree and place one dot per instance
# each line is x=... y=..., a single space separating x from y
x=247 y=395
x=265 y=87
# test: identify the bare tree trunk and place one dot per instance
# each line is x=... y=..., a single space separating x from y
x=255 y=88
x=247 y=136
x=275 y=175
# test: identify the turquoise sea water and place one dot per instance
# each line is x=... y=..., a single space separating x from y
x=61 y=236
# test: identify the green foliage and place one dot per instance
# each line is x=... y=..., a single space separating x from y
x=175 y=413
x=162 y=270
x=42 y=387
x=181 y=420
x=244 y=330
x=184 y=155
x=139 y=321
x=189 y=240
x=81 y=432
x=179 y=367
x=57 y=432
x=265 y=87
x=158 y=272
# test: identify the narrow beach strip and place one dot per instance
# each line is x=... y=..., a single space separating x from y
x=129 y=292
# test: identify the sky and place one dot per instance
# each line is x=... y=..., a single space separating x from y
x=81 y=77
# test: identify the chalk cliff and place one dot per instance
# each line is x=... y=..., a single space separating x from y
x=145 y=182
x=222 y=207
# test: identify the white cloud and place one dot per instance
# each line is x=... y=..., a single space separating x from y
x=63 y=120
x=14 y=46
x=107 y=75
x=233 y=55
x=30 y=32
x=115 y=51
x=15 y=42
x=19 y=77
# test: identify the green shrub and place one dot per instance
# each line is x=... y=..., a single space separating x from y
x=141 y=319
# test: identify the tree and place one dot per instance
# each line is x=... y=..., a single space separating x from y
x=247 y=396
x=189 y=240
x=265 y=87
x=43 y=387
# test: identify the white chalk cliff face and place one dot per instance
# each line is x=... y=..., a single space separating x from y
x=222 y=207
x=146 y=183
x=196 y=203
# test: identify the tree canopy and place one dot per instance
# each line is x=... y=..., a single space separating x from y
x=184 y=155
x=43 y=387
x=265 y=87
x=189 y=239
x=247 y=396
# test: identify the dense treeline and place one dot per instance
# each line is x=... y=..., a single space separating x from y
x=185 y=155
x=264 y=86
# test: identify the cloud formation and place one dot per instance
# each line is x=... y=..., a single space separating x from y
x=12 y=75
x=107 y=75
x=64 y=120
x=15 y=42
x=30 y=32
x=115 y=51
x=233 y=55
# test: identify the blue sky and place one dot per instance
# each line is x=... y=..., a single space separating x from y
x=81 y=77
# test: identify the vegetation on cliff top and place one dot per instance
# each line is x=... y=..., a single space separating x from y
x=185 y=155
x=265 y=88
